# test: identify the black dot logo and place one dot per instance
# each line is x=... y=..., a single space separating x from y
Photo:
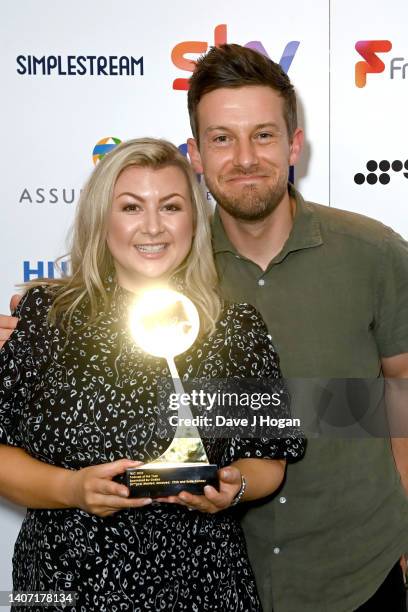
x=384 y=168
x=372 y=178
x=359 y=178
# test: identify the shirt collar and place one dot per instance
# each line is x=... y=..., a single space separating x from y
x=305 y=233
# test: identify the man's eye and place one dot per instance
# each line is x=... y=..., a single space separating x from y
x=221 y=139
x=264 y=136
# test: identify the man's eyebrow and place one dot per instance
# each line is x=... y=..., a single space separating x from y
x=214 y=128
x=269 y=124
x=258 y=126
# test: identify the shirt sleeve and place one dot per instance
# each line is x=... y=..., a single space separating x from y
x=21 y=360
x=253 y=360
x=391 y=318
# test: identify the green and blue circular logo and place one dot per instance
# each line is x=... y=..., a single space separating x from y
x=103 y=147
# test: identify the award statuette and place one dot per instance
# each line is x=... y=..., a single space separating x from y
x=165 y=323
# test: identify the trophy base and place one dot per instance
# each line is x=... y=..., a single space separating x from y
x=162 y=480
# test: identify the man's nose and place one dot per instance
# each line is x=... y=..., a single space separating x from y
x=245 y=153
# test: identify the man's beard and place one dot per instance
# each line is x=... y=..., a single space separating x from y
x=253 y=204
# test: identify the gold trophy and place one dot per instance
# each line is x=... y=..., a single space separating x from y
x=165 y=323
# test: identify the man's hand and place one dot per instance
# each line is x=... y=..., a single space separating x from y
x=212 y=501
x=14 y=302
x=93 y=490
x=404 y=567
x=396 y=367
x=8 y=324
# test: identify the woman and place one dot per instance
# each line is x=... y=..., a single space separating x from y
x=78 y=405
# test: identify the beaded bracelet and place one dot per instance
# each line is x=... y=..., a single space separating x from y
x=240 y=493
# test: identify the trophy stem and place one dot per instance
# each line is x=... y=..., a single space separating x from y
x=175 y=375
x=183 y=409
x=187 y=440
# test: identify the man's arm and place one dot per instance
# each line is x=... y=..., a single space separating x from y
x=396 y=397
x=8 y=323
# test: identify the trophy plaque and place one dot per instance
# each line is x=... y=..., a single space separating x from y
x=165 y=323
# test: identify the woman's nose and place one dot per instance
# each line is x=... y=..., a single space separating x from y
x=152 y=223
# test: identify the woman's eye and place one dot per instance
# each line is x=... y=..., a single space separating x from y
x=130 y=207
x=171 y=207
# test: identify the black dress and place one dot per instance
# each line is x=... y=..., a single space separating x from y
x=91 y=401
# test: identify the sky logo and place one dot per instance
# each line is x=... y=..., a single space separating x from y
x=179 y=59
x=103 y=147
x=372 y=64
x=44 y=269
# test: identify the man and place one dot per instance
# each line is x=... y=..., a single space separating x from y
x=332 y=289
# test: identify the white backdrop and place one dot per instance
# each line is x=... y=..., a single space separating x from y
x=52 y=122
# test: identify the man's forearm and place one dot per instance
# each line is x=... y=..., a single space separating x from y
x=400 y=452
x=395 y=370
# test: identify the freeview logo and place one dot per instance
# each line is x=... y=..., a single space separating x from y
x=368 y=50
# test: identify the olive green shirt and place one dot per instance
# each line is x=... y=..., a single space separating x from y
x=335 y=301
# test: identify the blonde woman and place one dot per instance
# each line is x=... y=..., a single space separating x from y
x=77 y=405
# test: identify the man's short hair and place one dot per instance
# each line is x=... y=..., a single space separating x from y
x=235 y=66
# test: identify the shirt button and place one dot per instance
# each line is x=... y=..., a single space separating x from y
x=276 y=550
x=261 y=282
x=282 y=500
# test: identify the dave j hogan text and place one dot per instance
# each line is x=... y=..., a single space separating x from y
x=256 y=420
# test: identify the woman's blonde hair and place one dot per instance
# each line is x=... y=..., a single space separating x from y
x=91 y=261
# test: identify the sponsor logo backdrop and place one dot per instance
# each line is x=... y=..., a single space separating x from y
x=368 y=101
x=77 y=78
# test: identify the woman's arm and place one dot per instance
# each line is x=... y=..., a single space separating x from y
x=262 y=476
x=34 y=484
x=25 y=480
